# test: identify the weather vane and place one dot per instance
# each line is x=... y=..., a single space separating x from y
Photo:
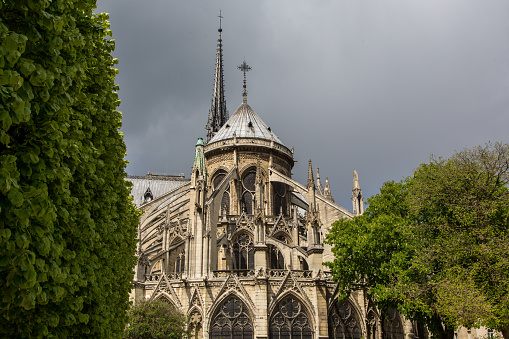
x=244 y=68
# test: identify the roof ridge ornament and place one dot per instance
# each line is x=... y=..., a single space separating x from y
x=244 y=67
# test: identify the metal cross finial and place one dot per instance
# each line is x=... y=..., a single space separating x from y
x=244 y=68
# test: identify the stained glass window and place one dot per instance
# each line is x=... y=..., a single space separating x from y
x=290 y=320
x=231 y=320
x=343 y=324
x=243 y=252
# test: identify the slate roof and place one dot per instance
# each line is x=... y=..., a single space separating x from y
x=245 y=123
x=158 y=185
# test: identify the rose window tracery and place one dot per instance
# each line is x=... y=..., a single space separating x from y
x=290 y=321
x=231 y=320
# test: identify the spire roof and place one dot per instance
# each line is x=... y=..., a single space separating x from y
x=245 y=123
x=218 y=113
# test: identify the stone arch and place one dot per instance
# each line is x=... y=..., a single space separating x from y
x=291 y=317
x=276 y=258
x=309 y=307
x=218 y=170
x=372 y=323
x=231 y=317
x=195 y=317
x=167 y=298
x=344 y=320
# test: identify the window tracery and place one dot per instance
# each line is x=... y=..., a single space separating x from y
x=231 y=320
x=248 y=191
x=180 y=261
x=243 y=252
x=290 y=320
x=276 y=259
x=392 y=326
x=225 y=200
x=343 y=324
x=279 y=198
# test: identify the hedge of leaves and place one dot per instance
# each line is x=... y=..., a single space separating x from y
x=67 y=226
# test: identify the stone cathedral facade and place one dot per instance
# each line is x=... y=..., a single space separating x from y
x=239 y=247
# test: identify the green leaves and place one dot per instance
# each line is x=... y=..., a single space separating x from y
x=442 y=233
x=63 y=199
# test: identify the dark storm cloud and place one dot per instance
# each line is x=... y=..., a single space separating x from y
x=375 y=86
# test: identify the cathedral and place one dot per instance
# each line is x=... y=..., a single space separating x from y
x=239 y=247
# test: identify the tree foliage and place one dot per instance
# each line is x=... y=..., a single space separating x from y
x=436 y=244
x=156 y=319
x=67 y=227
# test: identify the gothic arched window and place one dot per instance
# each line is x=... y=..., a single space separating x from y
x=180 y=261
x=290 y=321
x=243 y=252
x=276 y=259
x=343 y=324
x=231 y=320
x=248 y=191
x=392 y=326
x=225 y=200
x=279 y=198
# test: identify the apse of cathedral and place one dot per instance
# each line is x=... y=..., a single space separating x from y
x=239 y=246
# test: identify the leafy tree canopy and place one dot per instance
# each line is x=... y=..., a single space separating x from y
x=435 y=245
x=156 y=319
x=67 y=227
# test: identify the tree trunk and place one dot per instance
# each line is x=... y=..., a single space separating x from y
x=505 y=332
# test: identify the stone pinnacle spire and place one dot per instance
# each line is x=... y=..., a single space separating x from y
x=311 y=180
x=218 y=114
x=319 y=187
x=327 y=191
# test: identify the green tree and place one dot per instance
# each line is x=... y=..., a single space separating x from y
x=435 y=246
x=67 y=226
x=156 y=319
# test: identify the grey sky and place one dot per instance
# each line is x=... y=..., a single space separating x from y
x=371 y=85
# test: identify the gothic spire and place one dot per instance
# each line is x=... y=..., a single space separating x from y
x=218 y=114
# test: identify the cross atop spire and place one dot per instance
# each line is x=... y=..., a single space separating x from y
x=244 y=68
x=218 y=114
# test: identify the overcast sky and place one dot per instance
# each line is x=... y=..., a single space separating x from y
x=372 y=85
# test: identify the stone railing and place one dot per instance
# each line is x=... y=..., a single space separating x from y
x=239 y=273
x=299 y=274
x=153 y=277
x=249 y=142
